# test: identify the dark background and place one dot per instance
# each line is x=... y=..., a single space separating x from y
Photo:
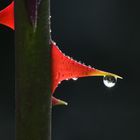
x=104 y=34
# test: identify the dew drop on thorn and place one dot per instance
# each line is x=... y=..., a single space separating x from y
x=75 y=79
x=109 y=81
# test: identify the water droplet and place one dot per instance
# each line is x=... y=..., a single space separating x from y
x=109 y=81
x=74 y=78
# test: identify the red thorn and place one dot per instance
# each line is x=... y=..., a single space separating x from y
x=7 y=16
x=63 y=67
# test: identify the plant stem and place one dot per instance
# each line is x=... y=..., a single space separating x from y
x=33 y=73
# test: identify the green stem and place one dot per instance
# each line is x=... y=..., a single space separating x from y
x=33 y=74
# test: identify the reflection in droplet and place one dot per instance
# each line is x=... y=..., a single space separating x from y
x=109 y=81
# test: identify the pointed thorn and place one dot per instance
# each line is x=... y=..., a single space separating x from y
x=97 y=72
x=56 y=101
x=7 y=16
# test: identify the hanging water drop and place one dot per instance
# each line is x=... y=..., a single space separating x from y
x=109 y=81
x=74 y=79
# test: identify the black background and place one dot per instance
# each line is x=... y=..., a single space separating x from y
x=104 y=34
